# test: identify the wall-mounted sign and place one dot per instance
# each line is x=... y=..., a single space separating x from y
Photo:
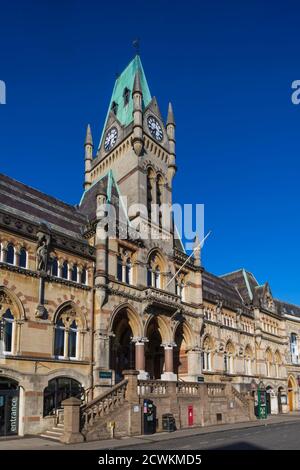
x=105 y=374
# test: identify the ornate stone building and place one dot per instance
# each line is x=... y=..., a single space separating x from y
x=79 y=306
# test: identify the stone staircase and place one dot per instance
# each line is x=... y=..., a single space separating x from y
x=54 y=433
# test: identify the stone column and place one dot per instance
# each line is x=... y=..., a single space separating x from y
x=71 y=421
x=140 y=357
x=169 y=367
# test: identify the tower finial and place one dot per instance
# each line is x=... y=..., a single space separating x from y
x=88 y=137
x=137 y=87
x=136 y=46
x=170 y=118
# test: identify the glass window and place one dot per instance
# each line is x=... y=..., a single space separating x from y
x=74 y=273
x=83 y=276
x=23 y=258
x=64 y=272
x=149 y=277
x=157 y=278
x=54 y=267
x=59 y=340
x=7 y=327
x=128 y=272
x=119 y=269
x=10 y=256
x=72 y=346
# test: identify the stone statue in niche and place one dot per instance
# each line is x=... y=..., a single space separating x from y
x=42 y=252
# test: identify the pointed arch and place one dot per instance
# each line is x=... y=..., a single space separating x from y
x=8 y=299
x=133 y=319
x=74 y=309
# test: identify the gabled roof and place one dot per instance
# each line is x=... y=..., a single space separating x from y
x=126 y=80
x=108 y=186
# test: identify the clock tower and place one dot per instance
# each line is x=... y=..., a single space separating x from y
x=137 y=147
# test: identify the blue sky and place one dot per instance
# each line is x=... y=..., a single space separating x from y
x=226 y=66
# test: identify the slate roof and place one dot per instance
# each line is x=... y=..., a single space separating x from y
x=287 y=309
x=245 y=283
x=216 y=288
x=32 y=205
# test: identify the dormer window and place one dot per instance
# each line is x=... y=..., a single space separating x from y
x=126 y=94
x=114 y=107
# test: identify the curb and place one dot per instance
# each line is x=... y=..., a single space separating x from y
x=206 y=432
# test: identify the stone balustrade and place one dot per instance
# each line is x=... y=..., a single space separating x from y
x=103 y=405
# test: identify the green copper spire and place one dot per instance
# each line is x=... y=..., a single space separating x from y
x=125 y=82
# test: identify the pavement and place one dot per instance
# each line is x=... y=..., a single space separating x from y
x=282 y=431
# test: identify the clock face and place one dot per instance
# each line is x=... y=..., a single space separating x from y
x=155 y=128
x=110 y=138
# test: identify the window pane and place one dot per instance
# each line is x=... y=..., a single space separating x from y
x=119 y=269
x=149 y=278
x=10 y=257
x=55 y=267
x=65 y=270
x=74 y=273
x=59 y=342
x=72 y=343
x=23 y=258
x=8 y=336
x=83 y=276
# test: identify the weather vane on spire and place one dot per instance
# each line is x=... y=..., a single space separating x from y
x=136 y=45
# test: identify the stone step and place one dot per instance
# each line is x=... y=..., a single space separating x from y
x=55 y=433
x=54 y=438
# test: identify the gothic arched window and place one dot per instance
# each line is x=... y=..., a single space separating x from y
x=128 y=272
x=207 y=354
x=84 y=276
x=64 y=271
x=119 y=269
x=23 y=258
x=54 y=267
x=66 y=344
x=10 y=255
x=74 y=273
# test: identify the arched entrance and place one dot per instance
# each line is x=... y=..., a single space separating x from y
x=122 y=349
x=291 y=393
x=58 y=390
x=154 y=353
x=180 y=353
x=9 y=407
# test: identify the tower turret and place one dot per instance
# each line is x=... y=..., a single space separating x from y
x=137 y=96
x=88 y=157
x=171 y=137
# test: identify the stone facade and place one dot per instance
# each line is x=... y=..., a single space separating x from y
x=79 y=306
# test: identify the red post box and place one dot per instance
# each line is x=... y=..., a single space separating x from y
x=190 y=415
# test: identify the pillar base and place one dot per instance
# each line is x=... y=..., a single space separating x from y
x=169 y=376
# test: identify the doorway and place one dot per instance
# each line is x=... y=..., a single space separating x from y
x=9 y=407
